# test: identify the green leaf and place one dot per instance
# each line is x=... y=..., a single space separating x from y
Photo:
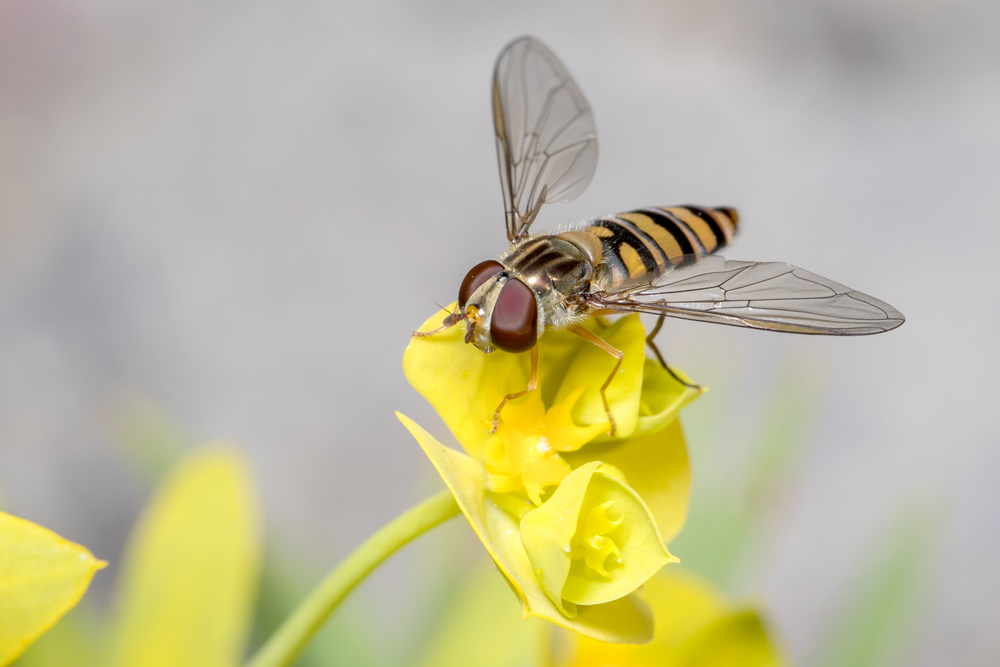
x=191 y=570
x=42 y=576
x=625 y=620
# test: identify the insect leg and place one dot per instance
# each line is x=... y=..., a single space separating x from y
x=659 y=357
x=614 y=352
x=532 y=384
x=447 y=323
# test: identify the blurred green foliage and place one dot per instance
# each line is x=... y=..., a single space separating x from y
x=730 y=504
x=483 y=619
x=878 y=612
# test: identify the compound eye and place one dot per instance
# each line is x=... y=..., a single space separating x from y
x=475 y=278
x=514 y=323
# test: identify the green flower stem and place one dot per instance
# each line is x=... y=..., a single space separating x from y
x=291 y=638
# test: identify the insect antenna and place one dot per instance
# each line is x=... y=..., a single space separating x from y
x=440 y=306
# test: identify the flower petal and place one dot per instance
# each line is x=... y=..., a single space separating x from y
x=655 y=466
x=42 y=576
x=626 y=620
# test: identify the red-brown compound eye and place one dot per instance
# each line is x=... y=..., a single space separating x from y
x=514 y=324
x=475 y=278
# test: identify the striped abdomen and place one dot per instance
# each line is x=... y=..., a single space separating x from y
x=646 y=242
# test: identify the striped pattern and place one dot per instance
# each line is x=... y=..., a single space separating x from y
x=648 y=241
x=548 y=261
x=538 y=254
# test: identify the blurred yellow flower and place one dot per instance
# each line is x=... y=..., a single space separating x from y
x=575 y=520
x=696 y=627
x=42 y=576
x=189 y=576
x=191 y=569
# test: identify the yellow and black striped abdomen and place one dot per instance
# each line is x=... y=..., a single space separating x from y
x=648 y=241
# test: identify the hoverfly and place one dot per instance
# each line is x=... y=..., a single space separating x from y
x=657 y=260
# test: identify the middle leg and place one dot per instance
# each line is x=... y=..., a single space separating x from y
x=614 y=352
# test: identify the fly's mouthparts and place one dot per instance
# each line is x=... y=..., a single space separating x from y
x=472 y=313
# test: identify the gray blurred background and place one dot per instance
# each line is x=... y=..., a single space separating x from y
x=242 y=209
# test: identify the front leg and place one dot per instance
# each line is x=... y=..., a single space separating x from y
x=532 y=384
x=447 y=323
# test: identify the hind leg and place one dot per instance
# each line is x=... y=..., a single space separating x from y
x=659 y=357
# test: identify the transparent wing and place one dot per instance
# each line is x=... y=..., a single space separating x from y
x=546 y=139
x=760 y=295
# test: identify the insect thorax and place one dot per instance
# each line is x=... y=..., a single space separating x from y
x=556 y=271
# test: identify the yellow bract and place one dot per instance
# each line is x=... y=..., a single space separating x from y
x=524 y=454
x=562 y=536
x=191 y=568
x=465 y=386
x=695 y=627
x=42 y=576
x=575 y=520
x=624 y=620
x=654 y=465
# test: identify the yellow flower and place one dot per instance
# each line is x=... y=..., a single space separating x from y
x=575 y=520
x=696 y=627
